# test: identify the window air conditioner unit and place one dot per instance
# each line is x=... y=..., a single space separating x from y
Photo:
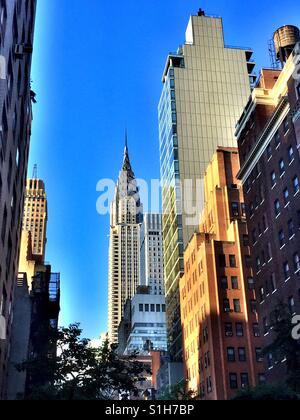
x=2 y=328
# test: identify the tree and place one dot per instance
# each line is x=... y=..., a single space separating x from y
x=81 y=372
x=284 y=345
x=178 y=392
x=267 y=393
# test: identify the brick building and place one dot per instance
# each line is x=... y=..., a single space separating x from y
x=269 y=141
x=222 y=347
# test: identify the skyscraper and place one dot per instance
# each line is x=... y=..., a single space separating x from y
x=16 y=42
x=152 y=267
x=269 y=143
x=36 y=303
x=125 y=245
x=36 y=215
x=222 y=346
x=205 y=86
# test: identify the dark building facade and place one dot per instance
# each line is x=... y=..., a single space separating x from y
x=17 y=19
x=269 y=143
x=36 y=312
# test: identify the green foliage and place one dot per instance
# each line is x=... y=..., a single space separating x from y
x=81 y=372
x=267 y=393
x=178 y=392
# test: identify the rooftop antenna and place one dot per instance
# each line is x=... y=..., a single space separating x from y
x=35 y=172
x=126 y=138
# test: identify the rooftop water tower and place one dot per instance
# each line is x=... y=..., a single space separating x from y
x=285 y=40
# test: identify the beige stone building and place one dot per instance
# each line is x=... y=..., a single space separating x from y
x=36 y=215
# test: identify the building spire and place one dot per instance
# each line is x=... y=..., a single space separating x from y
x=126 y=162
x=126 y=140
x=35 y=172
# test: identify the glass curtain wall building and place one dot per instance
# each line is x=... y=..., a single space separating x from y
x=205 y=87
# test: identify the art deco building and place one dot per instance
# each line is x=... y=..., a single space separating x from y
x=16 y=42
x=205 y=87
x=36 y=303
x=269 y=143
x=35 y=215
x=125 y=245
x=152 y=266
x=222 y=345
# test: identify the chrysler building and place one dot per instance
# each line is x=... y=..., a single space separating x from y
x=124 y=249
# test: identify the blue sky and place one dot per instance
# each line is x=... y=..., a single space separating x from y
x=97 y=68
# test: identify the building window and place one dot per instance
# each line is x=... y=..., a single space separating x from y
x=291 y=228
x=253 y=306
x=254 y=236
x=152 y=307
x=258 y=264
x=234 y=283
x=286 y=125
x=230 y=354
x=281 y=238
x=224 y=283
x=242 y=354
x=273 y=178
x=296 y=262
x=141 y=307
x=226 y=305
x=232 y=260
x=291 y=304
x=243 y=205
x=281 y=167
x=291 y=154
x=233 y=381
x=163 y=308
x=262 y=294
x=277 y=207
x=251 y=284
x=245 y=240
x=286 y=196
x=262 y=379
x=277 y=139
x=228 y=329
x=256 y=330
x=259 y=355
x=269 y=151
x=244 y=380
x=146 y=307
x=273 y=282
x=286 y=270
x=239 y=329
x=157 y=308
x=296 y=184
x=248 y=261
x=237 y=305
x=235 y=209
x=270 y=360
